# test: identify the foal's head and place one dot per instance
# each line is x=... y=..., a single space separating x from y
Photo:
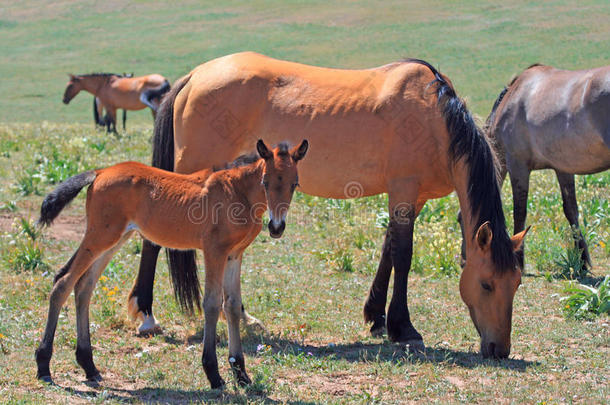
x=73 y=88
x=280 y=179
x=489 y=292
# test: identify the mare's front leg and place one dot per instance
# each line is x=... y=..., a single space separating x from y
x=374 y=307
x=141 y=296
x=403 y=199
x=82 y=296
x=215 y=262
x=570 y=209
x=233 y=308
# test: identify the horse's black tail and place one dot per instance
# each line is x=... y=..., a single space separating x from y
x=159 y=92
x=96 y=115
x=57 y=199
x=182 y=264
x=468 y=141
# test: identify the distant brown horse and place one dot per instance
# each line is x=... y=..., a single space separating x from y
x=548 y=118
x=221 y=215
x=115 y=91
x=398 y=129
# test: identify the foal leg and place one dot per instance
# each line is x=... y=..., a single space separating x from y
x=215 y=263
x=82 y=296
x=402 y=222
x=570 y=209
x=519 y=179
x=232 y=309
x=374 y=307
x=141 y=296
x=64 y=283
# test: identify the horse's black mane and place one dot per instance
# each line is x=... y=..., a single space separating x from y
x=249 y=158
x=468 y=142
x=492 y=114
x=100 y=74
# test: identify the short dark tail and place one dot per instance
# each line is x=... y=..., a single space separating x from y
x=468 y=141
x=96 y=115
x=182 y=264
x=158 y=93
x=57 y=199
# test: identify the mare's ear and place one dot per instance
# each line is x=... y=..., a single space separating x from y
x=299 y=152
x=484 y=236
x=71 y=76
x=263 y=150
x=518 y=239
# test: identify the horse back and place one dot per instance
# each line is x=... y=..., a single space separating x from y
x=386 y=111
x=550 y=117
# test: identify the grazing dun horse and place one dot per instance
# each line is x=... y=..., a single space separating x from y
x=398 y=129
x=220 y=215
x=548 y=118
x=116 y=91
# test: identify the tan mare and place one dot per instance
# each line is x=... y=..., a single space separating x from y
x=177 y=211
x=548 y=118
x=115 y=91
x=398 y=129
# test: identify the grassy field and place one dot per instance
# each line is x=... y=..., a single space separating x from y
x=308 y=288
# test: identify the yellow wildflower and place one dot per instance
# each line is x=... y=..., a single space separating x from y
x=103 y=278
x=2 y=336
x=111 y=293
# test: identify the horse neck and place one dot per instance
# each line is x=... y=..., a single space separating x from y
x=248 y=182
x=93 y=84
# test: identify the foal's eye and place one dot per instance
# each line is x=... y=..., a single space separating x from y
x=294 y=186
x=265 y=184
x=486 y=287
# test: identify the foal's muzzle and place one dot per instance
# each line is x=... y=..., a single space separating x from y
x=275 y=231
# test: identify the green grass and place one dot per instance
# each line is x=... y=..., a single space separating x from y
x=308 y=288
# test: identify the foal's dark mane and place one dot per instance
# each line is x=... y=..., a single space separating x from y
x=100 y=74
x=469 y=142
x=252 y=157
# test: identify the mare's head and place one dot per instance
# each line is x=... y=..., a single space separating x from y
x=488 y=291
x=73 y=88
x=280 y=179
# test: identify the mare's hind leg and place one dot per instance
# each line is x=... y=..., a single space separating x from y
x=519 y=179
x=232 y=309
x=141 y=296
x=64 y=283
x=570 y=209
x=374 y=307
x=82 y=296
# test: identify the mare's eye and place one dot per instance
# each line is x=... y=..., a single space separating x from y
x=486 y=287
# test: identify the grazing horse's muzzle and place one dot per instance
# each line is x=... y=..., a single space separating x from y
x=276 y=230
x=66 y=100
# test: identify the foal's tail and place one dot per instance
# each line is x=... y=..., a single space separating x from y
x=182 y=264
x=57 y=199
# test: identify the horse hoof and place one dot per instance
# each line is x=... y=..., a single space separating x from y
x=415 y=346
x=377 y=330
x=95 y=378
x=218 y=385
x=149 y=327
x=244 y=380
x=46 y=379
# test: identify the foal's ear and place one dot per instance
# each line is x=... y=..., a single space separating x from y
x=71 y=76
x=263 y=150
x=517 y=239
x=299 y=152
x=484 y=236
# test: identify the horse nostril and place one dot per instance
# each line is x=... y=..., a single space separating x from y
x=276 y=231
